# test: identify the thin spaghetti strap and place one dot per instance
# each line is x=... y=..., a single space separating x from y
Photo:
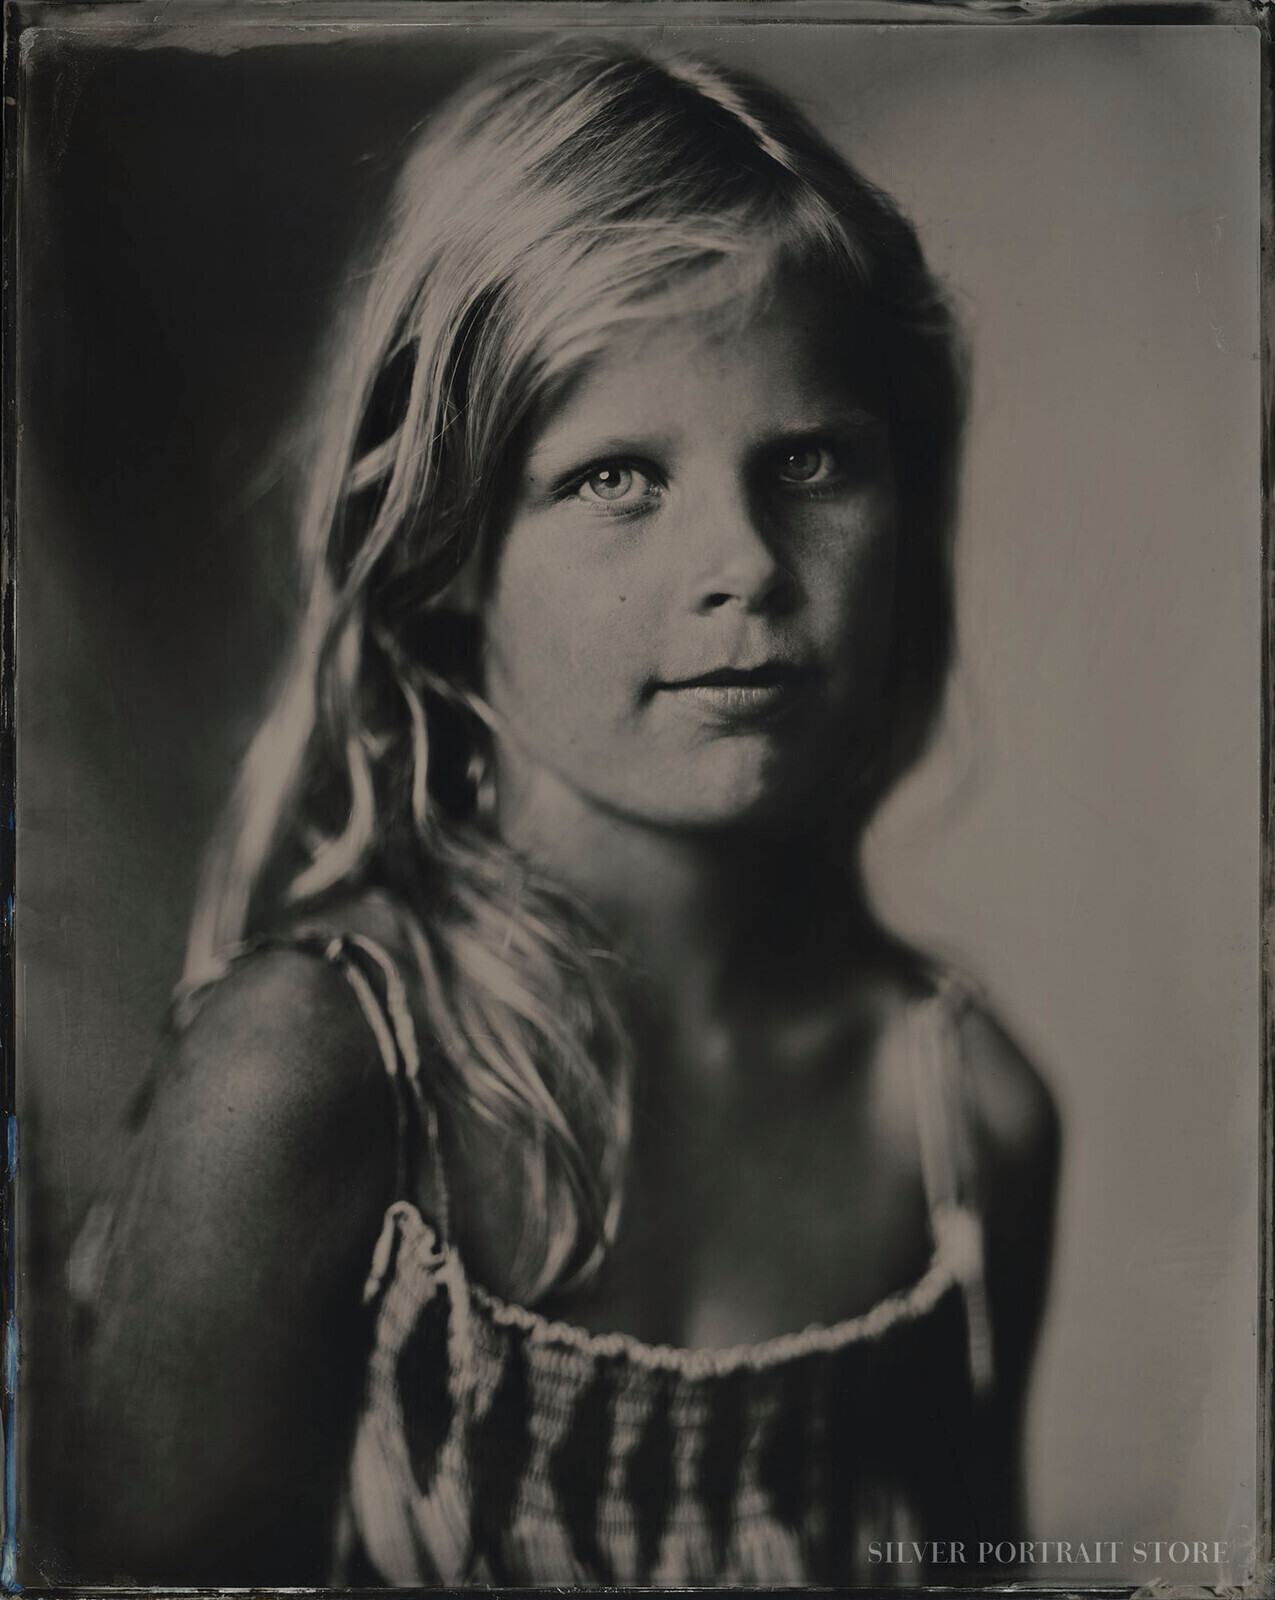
x=400 y=1016
x=385 y=1005
x=340 y=952
x=941 y=1113
x=949 y=1162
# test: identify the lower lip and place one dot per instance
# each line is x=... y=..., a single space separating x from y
x=740 y=702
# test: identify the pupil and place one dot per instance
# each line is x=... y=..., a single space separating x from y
x=609 y=483
x=802 y=463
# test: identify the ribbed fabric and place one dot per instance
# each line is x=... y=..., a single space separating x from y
x=494 y=1446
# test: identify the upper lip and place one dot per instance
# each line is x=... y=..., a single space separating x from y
x=766 y=675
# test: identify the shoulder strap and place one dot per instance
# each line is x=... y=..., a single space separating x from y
x=946 y=1130
x=944 y=1107
x=378 y=986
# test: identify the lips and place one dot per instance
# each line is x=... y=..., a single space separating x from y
x=740 y=694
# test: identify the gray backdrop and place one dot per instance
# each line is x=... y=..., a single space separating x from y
x=1084 y=836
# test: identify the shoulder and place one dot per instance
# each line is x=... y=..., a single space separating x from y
x=262 y=1164
x=281 y=1034
x=1018 y=1137
x=284 y=1029
x=1016 y=1116
x=1004 y=1101
x=272 y=1115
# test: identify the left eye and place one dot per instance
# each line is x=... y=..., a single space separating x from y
x=613 y=483
x=805 y=463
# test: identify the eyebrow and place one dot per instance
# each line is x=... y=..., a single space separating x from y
x=549 y=460
x=855 y=417
x=548 y=457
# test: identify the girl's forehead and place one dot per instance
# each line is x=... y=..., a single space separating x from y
x=678 y=383
x=714 y=284
x=795 y=341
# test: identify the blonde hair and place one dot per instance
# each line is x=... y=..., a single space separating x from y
x=558 y=196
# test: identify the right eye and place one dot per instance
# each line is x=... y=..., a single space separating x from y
x=614 y=484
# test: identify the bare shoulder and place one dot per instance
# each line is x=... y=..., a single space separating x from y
x=1019 y=1139
x=1017 y=1117
x=271 y=1119
x=283 y=1039
x=280 y=1041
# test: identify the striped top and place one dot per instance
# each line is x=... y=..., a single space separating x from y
x=495 y=1446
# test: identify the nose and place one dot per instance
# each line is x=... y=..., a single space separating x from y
x=735 y=561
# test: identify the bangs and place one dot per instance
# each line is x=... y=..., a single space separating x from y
x=720 y=270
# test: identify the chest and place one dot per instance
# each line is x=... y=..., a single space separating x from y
x=754 y=1208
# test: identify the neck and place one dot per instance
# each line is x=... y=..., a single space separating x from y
x=706 y=918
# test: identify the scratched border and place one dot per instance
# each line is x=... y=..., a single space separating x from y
x=177 y=22
x=9 y=1460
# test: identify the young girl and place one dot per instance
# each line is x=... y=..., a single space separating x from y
x=559 y=1175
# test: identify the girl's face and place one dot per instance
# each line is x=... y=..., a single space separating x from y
x=690 y=616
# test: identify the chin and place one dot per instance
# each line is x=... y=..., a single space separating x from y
x=775 y=802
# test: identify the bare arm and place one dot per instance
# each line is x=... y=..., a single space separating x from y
x=1020 y=1139
x=230 y=1337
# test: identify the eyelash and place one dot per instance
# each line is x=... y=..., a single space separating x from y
x=618 y=507
x=825 y=460
x=838 y=467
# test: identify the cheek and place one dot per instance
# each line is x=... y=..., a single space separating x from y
x=875 y=590
x=851 y=582
x=559 y=632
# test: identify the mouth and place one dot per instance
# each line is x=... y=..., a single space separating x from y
x=740 y=694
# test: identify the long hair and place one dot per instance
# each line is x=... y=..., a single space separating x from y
x=556 y=198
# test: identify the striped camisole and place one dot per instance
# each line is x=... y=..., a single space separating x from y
x=494 y=1446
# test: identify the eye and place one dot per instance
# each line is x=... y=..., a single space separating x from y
x=806 y=464
x=615 y=483
x=608 y=483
